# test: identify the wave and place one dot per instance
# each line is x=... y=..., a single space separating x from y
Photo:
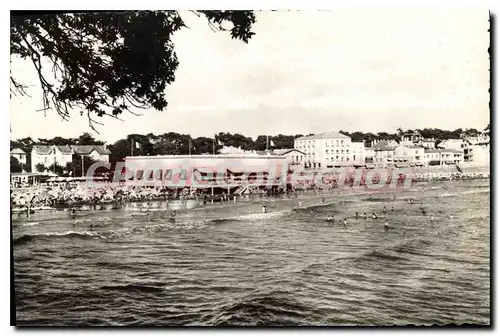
x=466 y=192
x=133 y=287
x=263 y=309
x=31 y=223
x=55 y=235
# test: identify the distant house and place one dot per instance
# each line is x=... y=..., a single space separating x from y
x=457 y=144
x=294 y=156
x=19 y=154
x=231 y=150
x=384 y=152
x=427 y=143
x=409 y=138
x=50 y=154
x=96 y=153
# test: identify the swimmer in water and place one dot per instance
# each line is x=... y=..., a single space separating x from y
x=300 y=203
x=172 y=216
x=392 y=208
x=374 y=216
x=312 y=212
x=386 y=226
x=385 y=209
x=330 y=218
x=264 y=209
x=357 y=215
x=73 y=213
x=345 y=222
x=365 y=216
x=323 y=200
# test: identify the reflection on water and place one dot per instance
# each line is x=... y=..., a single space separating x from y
x=233 y=265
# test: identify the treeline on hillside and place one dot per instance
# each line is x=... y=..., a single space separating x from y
x=179 y=144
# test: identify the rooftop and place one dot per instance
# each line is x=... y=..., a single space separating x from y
x=284 y=151
x=17 y=151
x=327 y=135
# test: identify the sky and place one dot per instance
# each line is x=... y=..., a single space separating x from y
x=305 y=72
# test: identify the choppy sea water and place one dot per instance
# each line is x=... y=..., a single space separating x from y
x=232 y=265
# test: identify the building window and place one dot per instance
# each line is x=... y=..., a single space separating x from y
x=354 y=157
x=337 y=158
x=342 y=151
x=337 y=143
x=327 y=151
x=337 y=151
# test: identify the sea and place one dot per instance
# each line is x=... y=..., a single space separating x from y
x=233 y=265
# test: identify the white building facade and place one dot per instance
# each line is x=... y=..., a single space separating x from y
x=325 y=150
x=49 y=155
x=358 y=153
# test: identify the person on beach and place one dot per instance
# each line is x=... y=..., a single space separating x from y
x=73 y=213
x=330 y=218
x=264 y=209
x=345 y=222
x=323 y=200
x=300 y=203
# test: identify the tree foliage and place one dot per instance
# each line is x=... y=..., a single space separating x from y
x=15 y=165
x=104 y=63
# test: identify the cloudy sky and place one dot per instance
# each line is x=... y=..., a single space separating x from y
x=307 y=72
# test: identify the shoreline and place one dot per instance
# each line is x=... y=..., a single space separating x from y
x=234 y=201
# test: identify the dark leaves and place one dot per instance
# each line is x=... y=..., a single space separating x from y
x=106 y=63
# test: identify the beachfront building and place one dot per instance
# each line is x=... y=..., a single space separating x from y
x=225 y=171
x=442 y=157
x=20 y=155
x=409 y=155
x=358 y=153
x=96 y=153
x=384 y=152
x=294 y=157
x=479 y=155
x=369 y=154
x=331 y=149
x=47 y=155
